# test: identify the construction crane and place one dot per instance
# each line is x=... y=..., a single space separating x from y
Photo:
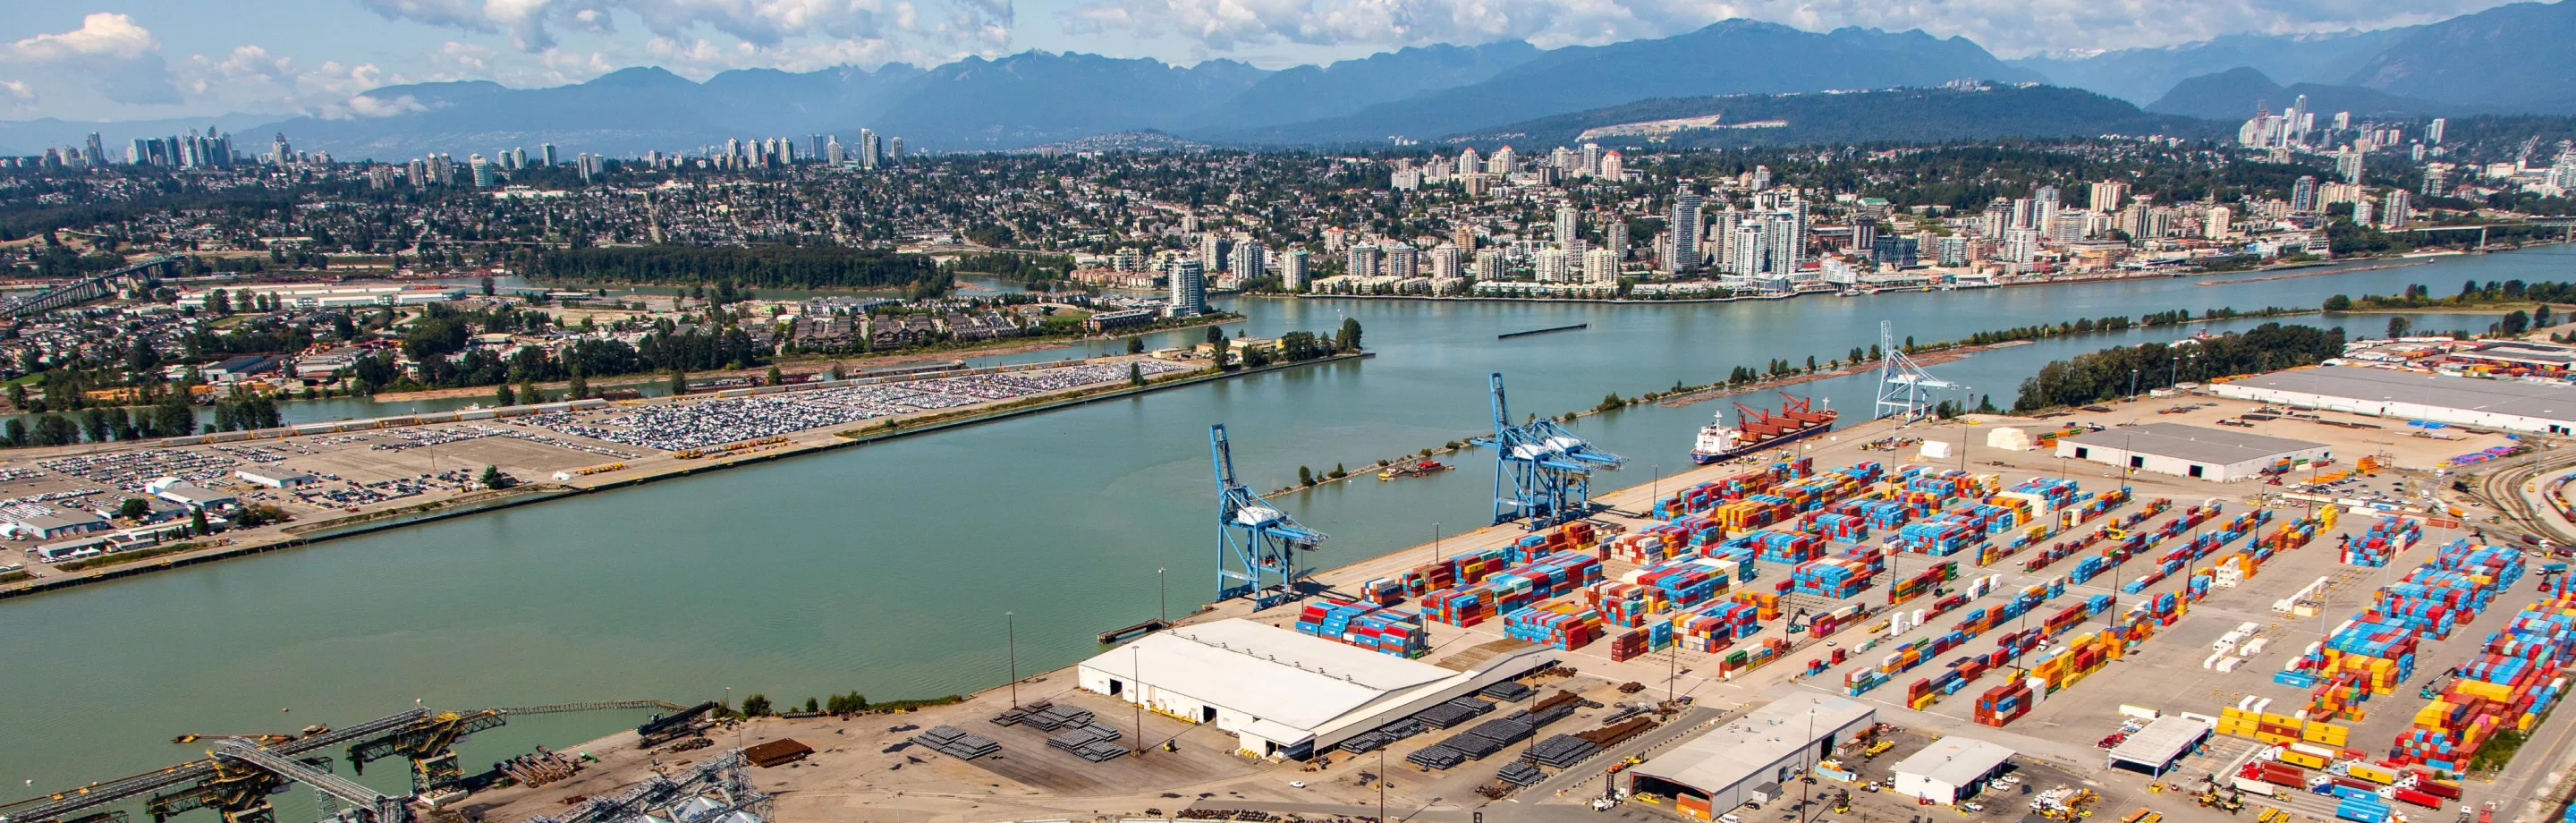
x=1257 y=544
x=714 y=791
x=1904 y=387
x=1542 y=473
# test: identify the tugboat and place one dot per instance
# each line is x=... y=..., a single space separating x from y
x=1755 y=430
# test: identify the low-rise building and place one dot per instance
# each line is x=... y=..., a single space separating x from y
x=2223 y=455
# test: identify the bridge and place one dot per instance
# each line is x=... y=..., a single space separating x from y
x=2565 y=226
x=95 y=287
x=240 y=772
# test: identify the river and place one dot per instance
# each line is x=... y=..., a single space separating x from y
x=887 y=568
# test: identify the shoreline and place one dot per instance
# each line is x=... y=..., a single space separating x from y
x=996 y=349
x=370 y=522
x=2313 y=268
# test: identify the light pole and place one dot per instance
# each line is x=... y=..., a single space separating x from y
x=1381 y=784
x=1162 y=597
x=1654 y=489
x=1435 y=542
x=1011 y=636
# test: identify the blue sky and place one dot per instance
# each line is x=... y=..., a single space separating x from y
x=141 y=59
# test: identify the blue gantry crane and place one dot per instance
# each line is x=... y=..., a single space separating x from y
x=1542 y=473
x=1258 y=546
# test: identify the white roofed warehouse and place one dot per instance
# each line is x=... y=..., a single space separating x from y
x=1285 y=694
x=1753 y=756
x=2513 y=405
x=1950 y=769
x=2223 y=455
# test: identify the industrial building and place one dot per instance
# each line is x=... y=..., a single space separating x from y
x=1285 y=694
x=1752 y=757
x=2156 y=748
x=2190 y=451
x=2502 y=404
x=1951 y=769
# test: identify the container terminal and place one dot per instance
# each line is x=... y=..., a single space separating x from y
x=2343 y=620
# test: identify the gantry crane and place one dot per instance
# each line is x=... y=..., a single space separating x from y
x=1258 y=546
x=1542 y=472
x=430 y=745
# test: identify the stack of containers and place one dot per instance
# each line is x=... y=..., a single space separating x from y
x=1715 y=626
x=1648 y=545
x=1766 y=604
x=2003 y=704
x=1832 y=577
x=1782 y=547
x=1835 y=526
x=1941 y=535
x=1563 y=624
x=1698 y=531
x=1375 y=628
x=2516 y=677
x=1878 y=515
x=2101 y=504
x=1511 y=589
x=1574 y=536
x=1382 y=591
x=1625 y=605
x=1465 y=569
x=1753 y=512
x=1627 y=644
x=1684 y=583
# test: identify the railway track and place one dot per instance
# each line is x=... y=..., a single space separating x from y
x=2501 y=489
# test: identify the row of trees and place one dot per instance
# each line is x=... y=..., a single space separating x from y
x=773 y=267
x=2472 y=293
x=2121 y=370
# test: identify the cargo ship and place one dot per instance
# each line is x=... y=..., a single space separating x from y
x=1756 y=430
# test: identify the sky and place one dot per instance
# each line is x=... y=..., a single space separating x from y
x=151 y=59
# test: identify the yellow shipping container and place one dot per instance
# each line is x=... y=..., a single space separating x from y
x=2301 y=758
x=2371 y=773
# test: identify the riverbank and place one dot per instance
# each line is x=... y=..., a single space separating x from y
x=997 y=348
x=305 y=532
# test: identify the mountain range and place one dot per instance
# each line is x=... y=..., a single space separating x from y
x=2514 y=58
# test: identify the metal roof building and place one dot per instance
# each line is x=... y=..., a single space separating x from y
x=1286 y=694
x=2190 y=451
x=1719 y=770
x=1950 y=769
x=2503 y=404
x=2160 y=745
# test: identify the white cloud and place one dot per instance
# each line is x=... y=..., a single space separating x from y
x=2008 y=27
x=112 y=54
x=103 y=34
x=773 y=30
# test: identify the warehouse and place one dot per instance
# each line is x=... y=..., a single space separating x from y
x=1951 y=769
x=1285 y=694
x=2190 y=451
x=2502 y=404
x=1750 y=758
x=2160 y=745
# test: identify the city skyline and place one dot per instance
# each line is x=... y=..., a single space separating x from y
x=157 y=59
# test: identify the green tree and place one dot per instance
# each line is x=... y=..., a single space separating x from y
x=679 y=383
x=1305 y=476
x=493 y=478
x=756 y=705
x=197 y=522
x=134 y=508
x=503 y=395
x=2338 y=303
x=1135 y=345
x=2399 y=325
x=2516 y=322
x=1135 y=374
x=2541 y=318
x=775 y=377
x=580 y=385
x=1349 y=337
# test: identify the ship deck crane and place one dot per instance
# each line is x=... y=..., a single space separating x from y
x=1258 y=546
x=1542 y=472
